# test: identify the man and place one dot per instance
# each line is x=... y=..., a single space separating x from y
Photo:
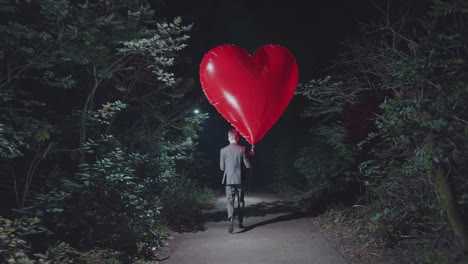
x=231 y=158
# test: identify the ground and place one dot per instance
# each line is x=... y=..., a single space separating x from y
x=353 y=249
x=276 y=231
x=273 y=224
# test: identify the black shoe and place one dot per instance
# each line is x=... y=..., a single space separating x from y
x=231 y=226
x=241 y=225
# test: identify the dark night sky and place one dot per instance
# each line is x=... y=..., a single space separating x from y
x=312 y=30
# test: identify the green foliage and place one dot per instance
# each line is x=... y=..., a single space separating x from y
x=284 y=155
x=13 y=245
x=107 y=111
x=403 y=154
x=445 y=8
x=184 y=198
x=412 y=169
x=59 y=253
x=95 y=125
x=101 y=256
x=16 y=248
x=327 y=161
x=328 y=97
x=440 y=257
x=418 y=132
x=105 y=200
x=156 y=52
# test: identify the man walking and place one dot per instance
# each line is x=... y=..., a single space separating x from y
x=231 y=158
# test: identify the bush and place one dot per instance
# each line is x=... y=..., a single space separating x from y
x=106 y=202
x=184 y=198
x=14 y=247
x=15 y=239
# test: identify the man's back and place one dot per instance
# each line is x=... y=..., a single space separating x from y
x=231 y=158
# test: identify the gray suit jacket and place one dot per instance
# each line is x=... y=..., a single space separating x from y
x=231 y=158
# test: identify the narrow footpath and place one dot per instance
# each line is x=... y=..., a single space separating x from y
x=275 y=232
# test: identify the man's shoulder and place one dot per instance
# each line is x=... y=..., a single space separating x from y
x=226 y=147
x=233 y=146
x=238 y=147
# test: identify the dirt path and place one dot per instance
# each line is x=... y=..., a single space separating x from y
x=275 y=232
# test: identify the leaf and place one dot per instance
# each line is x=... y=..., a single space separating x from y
x=120 y=88
x=6 y=7
x=106 y=106
x=42 y=135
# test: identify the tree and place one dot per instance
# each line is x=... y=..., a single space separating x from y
x=413 y=167
x=93 y=118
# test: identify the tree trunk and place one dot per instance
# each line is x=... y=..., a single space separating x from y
x=448 y=201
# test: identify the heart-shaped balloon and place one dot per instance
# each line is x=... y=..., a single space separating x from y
x=250 y=92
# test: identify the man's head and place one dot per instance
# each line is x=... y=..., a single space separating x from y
x=233 y=136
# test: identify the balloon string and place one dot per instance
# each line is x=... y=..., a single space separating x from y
x=252 y=152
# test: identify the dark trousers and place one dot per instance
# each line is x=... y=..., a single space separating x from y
x=233 y=192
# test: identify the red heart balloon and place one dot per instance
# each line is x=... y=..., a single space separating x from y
x=250 y=92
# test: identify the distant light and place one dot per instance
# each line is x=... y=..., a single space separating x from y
x=196 y=111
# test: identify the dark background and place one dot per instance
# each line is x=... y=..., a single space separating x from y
x=313 y=31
